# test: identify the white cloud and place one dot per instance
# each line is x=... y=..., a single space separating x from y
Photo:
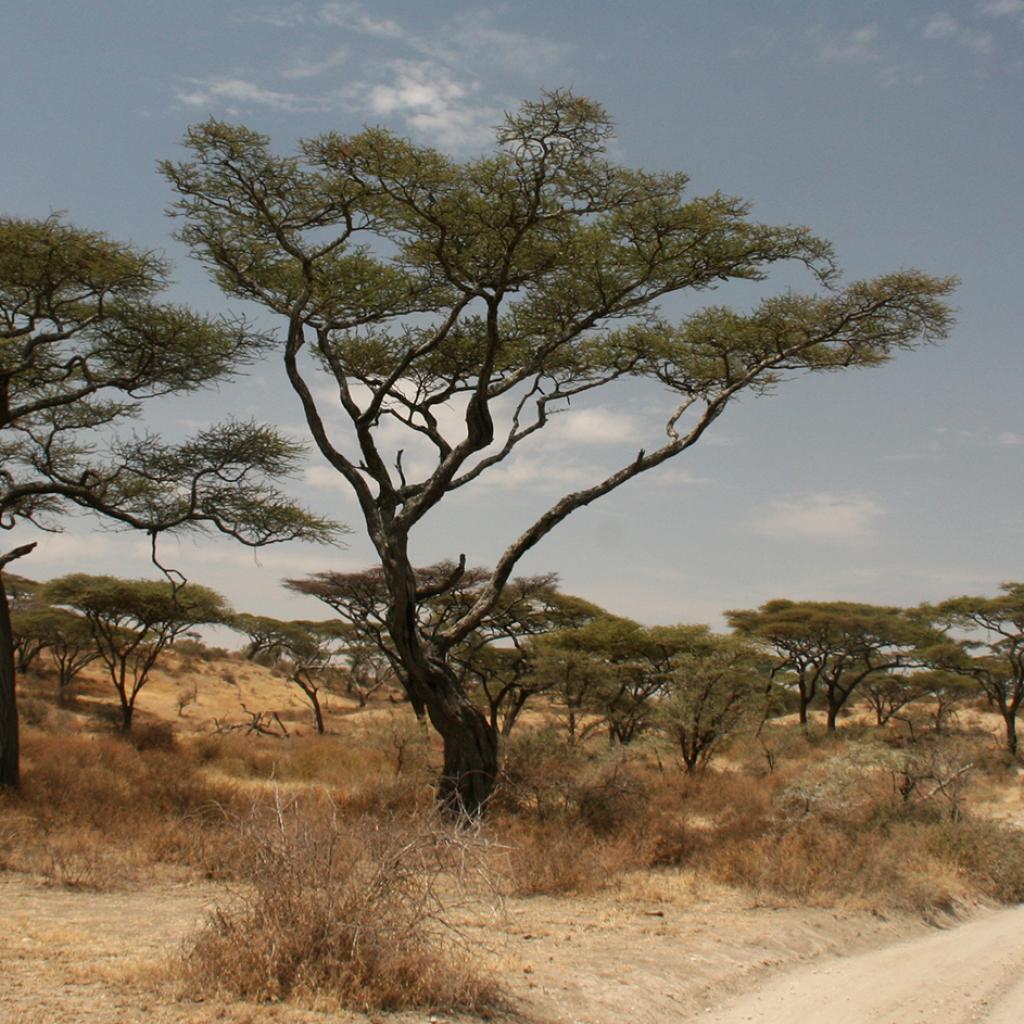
x=595 y=426
x=821 y=516
x=1008 y=437
x=1003 y=8
x=353 y=16
x=279 y=16
x=213 y=92
x=532 y=471
x=477 y=39
x=941 y=26
x=302 y=68
x=432 y=101
x=855 y=47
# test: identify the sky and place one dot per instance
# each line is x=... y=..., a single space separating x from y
x=892 y=129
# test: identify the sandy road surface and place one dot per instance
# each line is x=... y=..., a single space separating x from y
x=91 y=958
x=970 y=974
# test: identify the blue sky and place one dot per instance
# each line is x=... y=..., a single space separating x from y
x=894 y=129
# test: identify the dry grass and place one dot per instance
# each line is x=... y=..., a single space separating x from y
x=356 y=912
x=826 y=822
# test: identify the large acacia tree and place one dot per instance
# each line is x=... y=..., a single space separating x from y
x=501 y=287
x=84 y=341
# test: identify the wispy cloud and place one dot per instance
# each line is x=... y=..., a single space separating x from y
x=277 y=15
x=821 y=516
x=596 y=426
x=354 y=17
x=302 y=68
x=857 y=47
x=427 y=80
x=1010 y=438
x=943 y=26
x=240 y=93
x=1003 y=8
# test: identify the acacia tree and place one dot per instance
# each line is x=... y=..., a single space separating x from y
x=609 y=672
x=84 y=342
x=502 y=287
x=833 y=647
x=66 y=637
x=133 y=622
x=992 y=652
x=715 y=684
x=494 y=660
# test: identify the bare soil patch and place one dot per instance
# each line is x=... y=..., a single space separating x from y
x=98 y=958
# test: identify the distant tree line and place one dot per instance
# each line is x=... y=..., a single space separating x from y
x=596 y=672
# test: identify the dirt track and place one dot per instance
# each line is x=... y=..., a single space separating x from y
x=90 y=958
x=971 y=973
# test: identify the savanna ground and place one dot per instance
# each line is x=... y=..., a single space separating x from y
x=200 y=872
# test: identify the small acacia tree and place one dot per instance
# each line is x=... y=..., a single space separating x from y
x=501 y=287
x=65 y=636
x=991 y=648
x=833 y=647
x=84 y=341
x=493 y=660
x=714 y=686
x=134 y=621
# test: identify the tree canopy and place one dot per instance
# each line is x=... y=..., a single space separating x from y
x=502 y=287
x=85 y=340
x=833 y=647
x=988 y=635
x=134 y=621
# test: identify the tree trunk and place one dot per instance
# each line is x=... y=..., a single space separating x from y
x=805 y=700
x=127 y=713
x=833 y=713
x=10 y=775
x=318 y=715
x=1010 y=718
x=470 y=750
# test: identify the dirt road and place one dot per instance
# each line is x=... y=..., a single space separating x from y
x=970 y=974
x=94 y=958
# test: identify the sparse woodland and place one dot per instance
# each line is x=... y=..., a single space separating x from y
x=450 y=737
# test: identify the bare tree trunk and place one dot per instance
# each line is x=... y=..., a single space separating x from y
x=470 y=743
x=1010 y=718
x=833 y=713
x=10 y=774
x=10 y=760
x=470 y=749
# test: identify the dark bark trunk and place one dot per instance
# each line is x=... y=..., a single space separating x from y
x=127 y=713
x=470 y=743
x=833 y=712
x=470 y=767
x=1010 y=718
x=805 y=701
x=10 y=774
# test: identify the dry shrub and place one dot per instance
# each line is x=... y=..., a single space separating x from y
x=842 y=831
x=557 y=857
x=384 y=768
x=357 y=911
x=570 y=819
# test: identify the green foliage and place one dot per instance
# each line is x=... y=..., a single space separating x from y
x=133 y=621
x=715 y=686
x=990 y=648
x=835 y=646
x=83 y=342
x=501 y=287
